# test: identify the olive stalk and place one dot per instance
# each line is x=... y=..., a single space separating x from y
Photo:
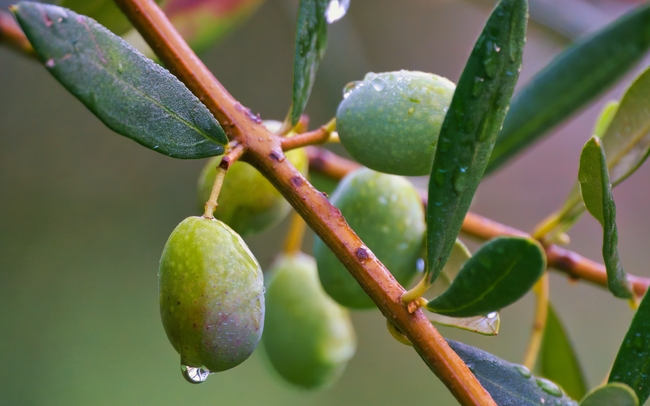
x=293 y=242
x=318 y=136
x=264 y=152
x=11 y=34
x=234 y=152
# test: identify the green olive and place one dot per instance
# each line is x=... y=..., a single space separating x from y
x=387 y=214
x=308 y=337
x=211 y=295
x=390 y=121
x=248 y=202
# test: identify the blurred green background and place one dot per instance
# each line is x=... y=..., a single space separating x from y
x=84 y=215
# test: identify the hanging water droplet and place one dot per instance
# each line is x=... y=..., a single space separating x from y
x=549 y=387
x=336 y=9
x=460 y=180
x=440 y=176
x=370 y=76
x=379 y=84
x=350 y=87
x=523 y=371
x=492 y=315
x=194 y=374
x=411 y=110
x=490 y=65
x=419 y=265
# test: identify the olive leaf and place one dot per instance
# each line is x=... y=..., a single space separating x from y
x=500 y=273
x=131 y=94
x=597 y=196
x=469 y=130
x=617 y=394
x=508 y=383
x=632 y=363
x=311 y=41
x=487 y=325
x=557 y=358
x=571 y=80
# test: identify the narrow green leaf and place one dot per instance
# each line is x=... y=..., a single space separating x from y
x=627 y=139
x=632 y=364
x=605 y=118
x=613 y=394
x=486 y=325
x=311 y=41
x=508 y=383
x=557 y=359
x=104 y=12
x=571 y=80
x=597 y=196
x=500 y=273
x=131 y=94
x=470 y=128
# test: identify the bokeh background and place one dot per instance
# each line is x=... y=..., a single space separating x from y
x=84 y=215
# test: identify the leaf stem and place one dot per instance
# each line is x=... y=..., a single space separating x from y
x=264 y=152
x=12 y=35
x=234 y=153
x=293 y=243
x=541 y=290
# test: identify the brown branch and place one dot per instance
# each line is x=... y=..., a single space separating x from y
x=573 y=264
x=12 y=35
x=263 y=150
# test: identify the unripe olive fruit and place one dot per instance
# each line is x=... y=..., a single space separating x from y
x=308 y=337
x=387 y=214
x=248 y=202
x=390 y=121
x=211 y=295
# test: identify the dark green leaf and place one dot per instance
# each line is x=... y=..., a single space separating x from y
x=507 y=383
x=627 y=139
x=571 y=80
x=632 y=364
x=597 y=196
x=557 y=359
x=131 y=94
x=470 y=128
x=104 y=12
x=311 y=41
x=500 y=273
x=613 y=394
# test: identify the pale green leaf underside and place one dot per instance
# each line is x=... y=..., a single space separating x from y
x=613 y=394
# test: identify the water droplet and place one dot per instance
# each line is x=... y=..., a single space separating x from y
x=492 y=315
x=350 y=87
x=336 y=9
x=477 y=86
x=549 y=387
x=497 y=48
x=419 y=265
x=370 y=76
x=379 y=84
x=444 y=144
x=460 y=180
x=411 y=110
x=523 y=371
x=194 y=374
x=120 y=68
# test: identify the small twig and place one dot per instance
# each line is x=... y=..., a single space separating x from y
x=12 y=35
x=235 y=152
x=319 y=136
x=573 y=264
x=539 y=322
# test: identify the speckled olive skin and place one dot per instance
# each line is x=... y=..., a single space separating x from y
x=211 y=295
x=308 y=337
x=390 y=121
x=387 y=214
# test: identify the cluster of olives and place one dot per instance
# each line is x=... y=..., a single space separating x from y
x=213 y=304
